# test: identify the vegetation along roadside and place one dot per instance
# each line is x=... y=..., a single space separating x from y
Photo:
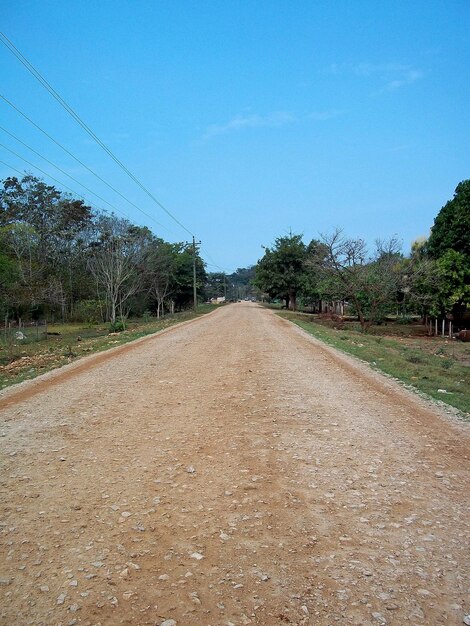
x=434 y=366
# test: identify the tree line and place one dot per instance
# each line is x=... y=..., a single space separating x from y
x=327 y=273
x=61 y=259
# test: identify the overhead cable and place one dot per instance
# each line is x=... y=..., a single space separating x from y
x=85 y=127
x=60 y=169
x=75 y=193
x=77 y=159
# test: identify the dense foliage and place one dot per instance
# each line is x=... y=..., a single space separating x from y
x=61 y=259
x=337 y=273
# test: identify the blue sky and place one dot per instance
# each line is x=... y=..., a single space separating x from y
x=248 y=119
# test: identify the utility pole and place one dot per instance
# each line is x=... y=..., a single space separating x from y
x=194 y=274
x=225 y=287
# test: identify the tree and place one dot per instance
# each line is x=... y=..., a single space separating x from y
x=451 y=230
x=161 y=268
x=181 y=285
x=279 y=272
x=448 y=249
x=9 y=275
x=20 y=244
x=369 y=281
x=216 y=285
x=313 y=287
x=240 y=283
x=54 y=221
x=453 y=283
x=116 y=262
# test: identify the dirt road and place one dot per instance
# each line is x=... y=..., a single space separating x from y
x=230 y=471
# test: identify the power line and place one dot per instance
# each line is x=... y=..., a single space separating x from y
x=10 y=167
x=214 y=264
x=57 y=168
x=75 y=193
x=77 y=159
x=85 y=127
x=79 y=195
x=89 y=131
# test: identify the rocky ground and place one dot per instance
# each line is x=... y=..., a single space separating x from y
x=230 y=471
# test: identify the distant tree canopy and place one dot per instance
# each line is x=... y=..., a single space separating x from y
x=236 y=286
x=61 y=258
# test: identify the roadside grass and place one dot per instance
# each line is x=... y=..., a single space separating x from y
x=428 y=364
x=26 y=360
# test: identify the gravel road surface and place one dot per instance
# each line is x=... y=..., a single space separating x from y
x=230 y=471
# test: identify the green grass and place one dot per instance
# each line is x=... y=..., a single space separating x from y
x=26 y=360
x=427 y=364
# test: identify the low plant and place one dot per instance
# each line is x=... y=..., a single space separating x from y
x=117 y=327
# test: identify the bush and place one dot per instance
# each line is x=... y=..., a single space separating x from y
x=117 y=327
x=147 y=316
x=414 y=358
x=405 y=319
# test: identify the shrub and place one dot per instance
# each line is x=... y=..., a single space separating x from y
x=405 y=319
x=117 y=327
x=147 y=316
x=414 y=358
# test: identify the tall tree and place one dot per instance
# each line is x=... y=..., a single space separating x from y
x=30 y=206
x=116 y=262
x=451 y=230
x=279 y=273
x=182 y=282
x=161 y=264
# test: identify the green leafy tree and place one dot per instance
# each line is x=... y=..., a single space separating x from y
x=449 y=247
x=161 y=264
x=57 y=220
x=451 y=230
x=216 y=285
x=313 y=288
x=240 y=284
x=453 y=283
x=182 y=282
x=9 y=276
x=280 y=272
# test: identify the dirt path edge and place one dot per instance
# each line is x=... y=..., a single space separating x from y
x=29 y=388
x=393 y=386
